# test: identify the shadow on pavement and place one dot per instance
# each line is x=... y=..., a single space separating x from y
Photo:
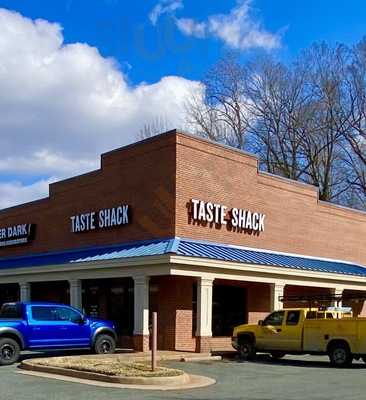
x=266 y=359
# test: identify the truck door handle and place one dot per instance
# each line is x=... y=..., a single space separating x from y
x=279 y=330
x=63 y=328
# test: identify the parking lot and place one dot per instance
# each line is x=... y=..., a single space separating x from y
x=300 y=377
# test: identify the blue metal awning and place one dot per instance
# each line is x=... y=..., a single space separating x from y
x=188 y=248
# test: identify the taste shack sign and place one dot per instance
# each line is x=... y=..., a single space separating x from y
x=16 y=234
x=219 y=214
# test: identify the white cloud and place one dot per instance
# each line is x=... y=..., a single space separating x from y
x=61 y=105
x=14 y=192
x=190 y=27
x=238 y=29
x=164 y=7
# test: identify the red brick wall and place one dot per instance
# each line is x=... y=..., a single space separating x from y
x=259 y=302
x=295 y=220
x=142 y=176
x=160 y=176
x=173 y=302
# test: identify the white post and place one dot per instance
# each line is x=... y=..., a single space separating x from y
x=204 y=307
x=337 y=291
x=141 y=305
x=277 y=290
x=25 y=291
x=76 y=294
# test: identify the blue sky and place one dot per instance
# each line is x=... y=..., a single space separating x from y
x=122 y=30
x=82 y=77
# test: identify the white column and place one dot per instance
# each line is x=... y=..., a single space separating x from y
x=277 y=290
x=141 y=305
x=25 y=291
x=204 y=307
x=76 y=294
x=337 y=291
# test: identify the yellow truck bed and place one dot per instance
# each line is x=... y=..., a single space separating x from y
x=318 y=333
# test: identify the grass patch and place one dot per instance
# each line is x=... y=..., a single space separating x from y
x=108 y=366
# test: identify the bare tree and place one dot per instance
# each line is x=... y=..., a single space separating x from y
x=321 y=143
x=306 y=120
x=354 y=104
x=277 y=104
x=157 y=125
x=219 y=111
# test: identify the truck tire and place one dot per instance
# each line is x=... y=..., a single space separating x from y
x=9 y=351
x=276 y=355
x=246 y=350
x=104 y=344
x=340 y=355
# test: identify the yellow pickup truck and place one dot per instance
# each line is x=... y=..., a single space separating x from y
x=304 y=331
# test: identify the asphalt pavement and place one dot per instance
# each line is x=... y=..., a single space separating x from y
x=292 y=378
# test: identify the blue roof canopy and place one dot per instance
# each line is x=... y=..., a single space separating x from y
x=188 y=248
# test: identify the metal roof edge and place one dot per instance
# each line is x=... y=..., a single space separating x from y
x=87 y=248
x=275 y=252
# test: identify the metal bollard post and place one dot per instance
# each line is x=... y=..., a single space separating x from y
x=154 y=340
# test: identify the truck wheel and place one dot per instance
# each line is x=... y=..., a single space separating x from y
x=105 y=344
x=246 y=350
x=9 y=351
x=276 y=355
x=340 y=355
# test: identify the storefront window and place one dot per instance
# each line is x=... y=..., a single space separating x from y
x=110 y=299
x=55 y=291
x=9 y=293
x=228 y=309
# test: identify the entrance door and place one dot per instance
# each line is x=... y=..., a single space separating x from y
x=111 y=299
x=228 y=308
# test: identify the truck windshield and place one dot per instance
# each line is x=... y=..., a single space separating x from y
x=10 y=311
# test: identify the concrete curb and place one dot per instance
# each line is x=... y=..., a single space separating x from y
x=203 y=358
x=180 y=382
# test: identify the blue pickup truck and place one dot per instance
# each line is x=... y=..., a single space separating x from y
x=46 y=326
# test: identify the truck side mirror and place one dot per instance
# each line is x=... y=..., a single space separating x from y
x=260 y=322
x=81 y=320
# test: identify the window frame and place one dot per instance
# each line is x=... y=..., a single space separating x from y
x=274 y=312
x=298 y=318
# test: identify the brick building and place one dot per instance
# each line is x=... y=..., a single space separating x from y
x=185 y=227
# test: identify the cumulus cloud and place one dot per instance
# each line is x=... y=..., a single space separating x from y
x=61 y=105
x=238 y=29
x=164 y=7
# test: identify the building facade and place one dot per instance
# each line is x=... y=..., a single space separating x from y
x=185 y=227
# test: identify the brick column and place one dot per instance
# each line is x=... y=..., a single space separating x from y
x=141 y=313
x=204 y=315
x=277 y=290
x=25 y=291
x=75 y=294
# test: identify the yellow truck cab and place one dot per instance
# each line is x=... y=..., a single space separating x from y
x=332 y=331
